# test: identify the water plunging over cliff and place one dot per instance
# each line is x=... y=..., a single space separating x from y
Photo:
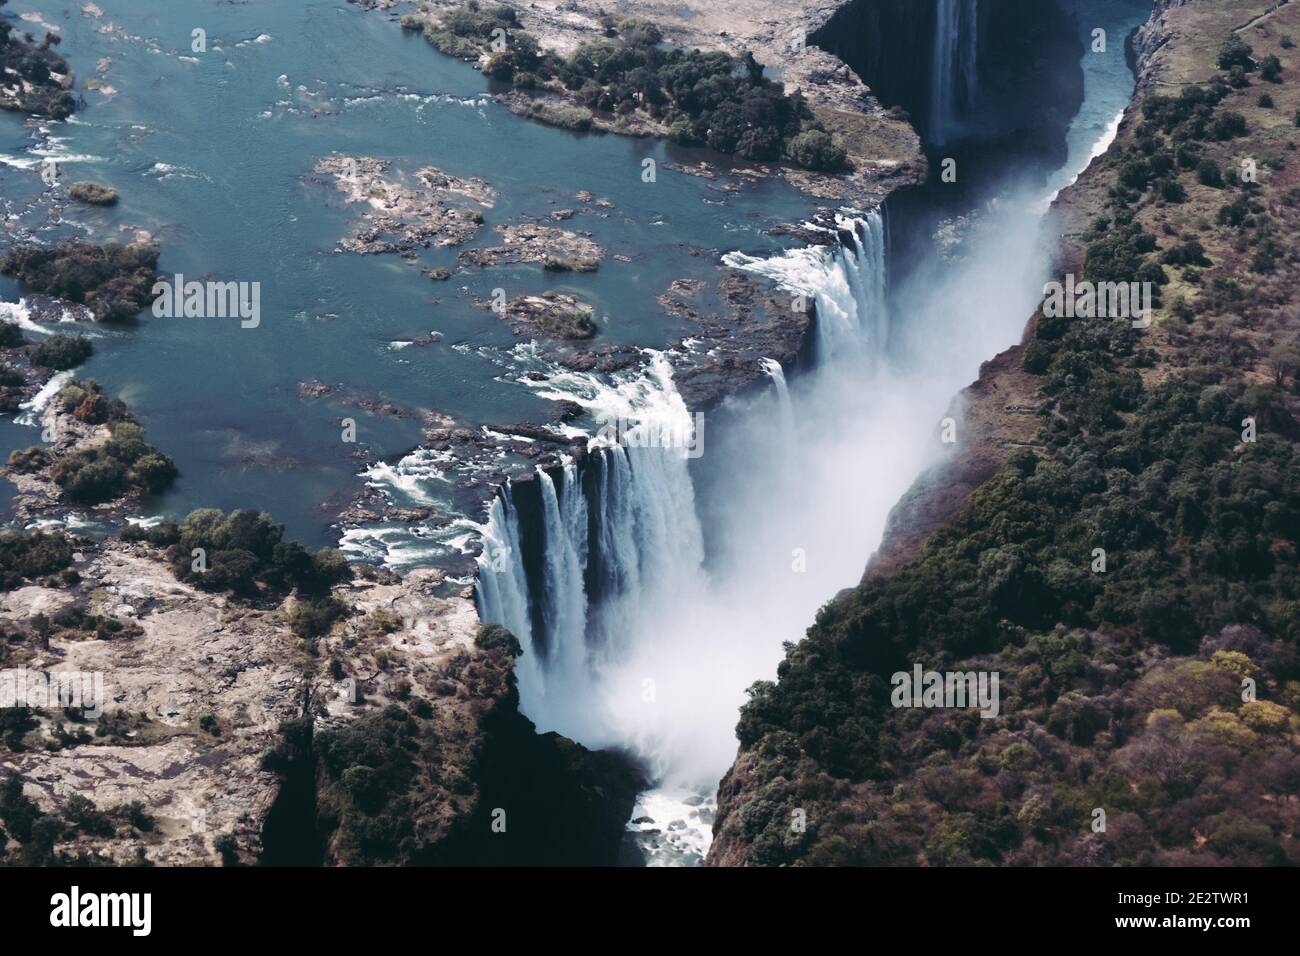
x=954 y=73
x=618 y=539
x=785 y=523
x=846 y=282
x=631 y=637
x=614 y=536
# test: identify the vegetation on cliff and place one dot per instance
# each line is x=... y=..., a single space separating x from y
x=711 y=98
x=1161 y=687
x=405 y=785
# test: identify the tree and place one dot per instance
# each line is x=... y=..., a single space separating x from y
x=1236 y=52
x=1283 y=362
x=61 y=351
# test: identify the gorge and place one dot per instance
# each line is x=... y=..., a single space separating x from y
x=651 y=589
x=623 y=397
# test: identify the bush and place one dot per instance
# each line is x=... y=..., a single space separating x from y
x=246 y=554
x=93 y=194
x=494 y=637
x=114 y=281
x=1209 y=174
x=90 y=478
x=61 y=351
x=26 y=555
x=312 y=619
x=1228 y=125
x=125 y=463
x=815 y=149
x=1236 y=52
x=84 y=399
x=1270 y=68
x=11 y=336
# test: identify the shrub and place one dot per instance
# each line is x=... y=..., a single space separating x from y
x=114 y=281
x=311 y=619
x=815 y=149
x=31 y=554
x=126 y=462
x=1235 y=52
x=494 y=637
x=61 y=351
x=246 y=553
x=1209 y=174
x=93 y=194
x=227 y=847
x=1227 y=125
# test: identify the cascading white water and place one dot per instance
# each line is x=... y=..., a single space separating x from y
x=564 y=607
x=846 y=281
x=502 y=585
x=970 y=39
x=648 y=546
x=667 y=651
x=954 y=65
x=667 y=667
x=785 y=409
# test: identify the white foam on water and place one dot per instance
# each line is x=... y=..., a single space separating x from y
x=33 y=408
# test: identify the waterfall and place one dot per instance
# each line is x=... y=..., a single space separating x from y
x=565 y=600
x=619 y=536
x=502 y=585
x=598 y=565
x=845 y=280
x=970 y=51
x=785 y=407
x=953 y=67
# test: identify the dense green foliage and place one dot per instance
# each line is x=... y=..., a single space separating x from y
x=1162 y=688
x=245 y=553
x=27 y=555
x=61 y=351
x=369 y=766
x=125 y=463
x=1200 y=533
x=709 y=98
x=36 y=65
x=114 y=281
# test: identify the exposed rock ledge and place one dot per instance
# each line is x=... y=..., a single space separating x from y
x=402 y=217
x=204 y=689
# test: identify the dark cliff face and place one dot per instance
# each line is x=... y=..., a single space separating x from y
x=1029 y=85
x=467 y=781
x=1026 y=69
